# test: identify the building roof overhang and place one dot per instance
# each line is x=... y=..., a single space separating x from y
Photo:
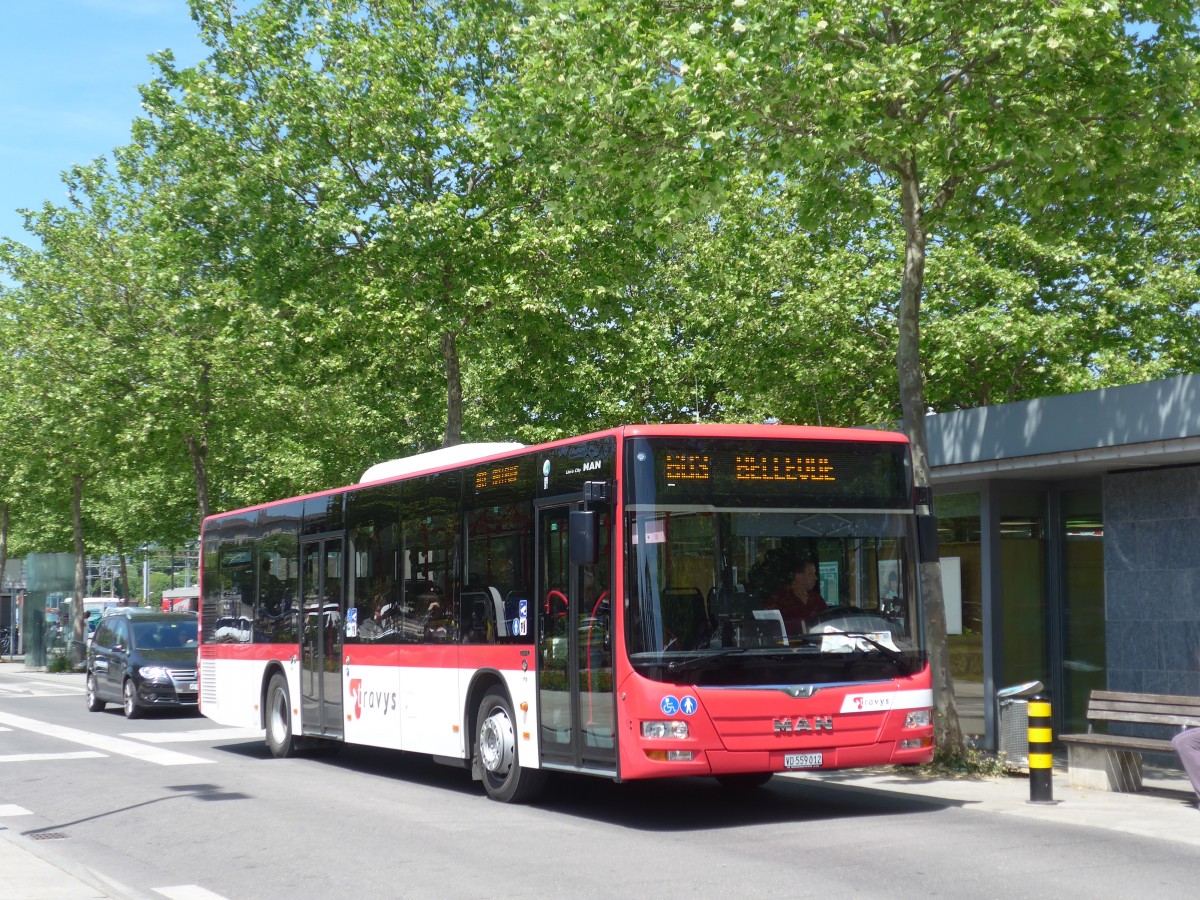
x=1081 y=435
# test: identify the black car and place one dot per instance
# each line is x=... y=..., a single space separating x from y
x=143 y=659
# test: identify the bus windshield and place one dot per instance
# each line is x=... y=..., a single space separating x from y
x=774 y=581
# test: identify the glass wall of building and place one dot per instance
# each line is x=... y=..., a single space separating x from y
x=1083 y=620
x=1023 y=549
x=960 y=545
x=1023 y=572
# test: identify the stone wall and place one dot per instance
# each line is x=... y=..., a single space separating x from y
x=1152 y=580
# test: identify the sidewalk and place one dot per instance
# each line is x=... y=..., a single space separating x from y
x=1165 y=809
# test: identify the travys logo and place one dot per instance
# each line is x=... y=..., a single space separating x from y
x=373 y=701
x=867 y=703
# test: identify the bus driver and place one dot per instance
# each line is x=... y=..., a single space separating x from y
x=798 y=600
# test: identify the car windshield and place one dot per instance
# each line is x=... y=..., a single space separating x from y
x=170 y=635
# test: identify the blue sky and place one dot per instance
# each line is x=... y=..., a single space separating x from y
x=69 y=72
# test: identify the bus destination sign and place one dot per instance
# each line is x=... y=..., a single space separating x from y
x=743 y=473
x=751 y=467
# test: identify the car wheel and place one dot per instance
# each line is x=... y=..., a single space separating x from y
x=497 y=756
x=129 y=700
x=280 y=740
x=94 y=703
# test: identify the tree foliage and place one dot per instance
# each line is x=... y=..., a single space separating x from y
x=1034 y=113
x=358 y=229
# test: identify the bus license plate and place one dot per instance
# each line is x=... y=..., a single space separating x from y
x=802 y=761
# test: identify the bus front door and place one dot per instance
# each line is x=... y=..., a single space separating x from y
x=576 y=708
x=321 y=568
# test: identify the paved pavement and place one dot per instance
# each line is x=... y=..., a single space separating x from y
x=1165 y=809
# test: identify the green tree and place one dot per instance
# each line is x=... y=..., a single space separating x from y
x=354 y=129
x=1043 y=106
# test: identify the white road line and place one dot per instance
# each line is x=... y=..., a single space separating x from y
x=39 y=689
x=38 y=757
x=207 y=734
x=187 y=892
x=103 y=742
x=11 y=809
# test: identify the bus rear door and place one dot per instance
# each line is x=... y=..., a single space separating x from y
x=321 y=576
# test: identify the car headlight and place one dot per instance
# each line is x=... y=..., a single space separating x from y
x=154 y=673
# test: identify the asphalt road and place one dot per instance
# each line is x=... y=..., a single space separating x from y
x=176 y=806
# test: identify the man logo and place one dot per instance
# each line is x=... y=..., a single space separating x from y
x=803 y=723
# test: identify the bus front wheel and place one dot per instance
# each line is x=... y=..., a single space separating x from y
x=280 y=740
x=497 y=754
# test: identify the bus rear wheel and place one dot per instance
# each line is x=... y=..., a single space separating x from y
x=498 y=757
x=280 y=740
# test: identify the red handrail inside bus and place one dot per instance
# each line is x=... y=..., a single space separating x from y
x=557 y=595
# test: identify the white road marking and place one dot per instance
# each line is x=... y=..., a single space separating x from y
x=38 y=689
x=187 y=892
x=103 y=742
x=206 y=734
x=11 y=809
x=38 y=757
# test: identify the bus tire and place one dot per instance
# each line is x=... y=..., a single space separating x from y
x=744 y=781
x=497 y=754
x=280 y=739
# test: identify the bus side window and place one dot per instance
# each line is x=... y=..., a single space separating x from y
x=478 y=620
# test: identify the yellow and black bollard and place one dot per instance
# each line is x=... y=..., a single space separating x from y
x=1041 y=760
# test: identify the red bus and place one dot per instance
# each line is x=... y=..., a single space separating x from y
x=606 y=605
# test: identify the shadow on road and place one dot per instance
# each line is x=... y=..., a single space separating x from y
x=673 y=805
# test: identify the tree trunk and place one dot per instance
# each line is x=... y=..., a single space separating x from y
x=947 y=731
x=124 y=578
x=454 y=395
x=198 y=454
x=78 y=616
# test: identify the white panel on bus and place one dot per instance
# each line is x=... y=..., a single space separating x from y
x=436 y=459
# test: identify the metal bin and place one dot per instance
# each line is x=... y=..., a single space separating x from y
x=1013 y=721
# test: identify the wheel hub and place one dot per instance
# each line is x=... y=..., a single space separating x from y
x=497 y=744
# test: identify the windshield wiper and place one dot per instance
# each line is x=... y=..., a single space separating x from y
x=699 y=662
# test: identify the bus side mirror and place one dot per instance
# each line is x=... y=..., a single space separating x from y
x=927 y=538
x=583 y=539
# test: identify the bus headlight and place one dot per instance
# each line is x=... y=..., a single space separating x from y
x=918 y=718
x=670 y=729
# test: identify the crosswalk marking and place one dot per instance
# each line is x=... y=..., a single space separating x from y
x=13 y=690
x=8 y=810
x=38 y=757
x=108 y=744
x=204 y=734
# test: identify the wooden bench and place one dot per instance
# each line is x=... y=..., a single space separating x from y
x=1113 y=762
